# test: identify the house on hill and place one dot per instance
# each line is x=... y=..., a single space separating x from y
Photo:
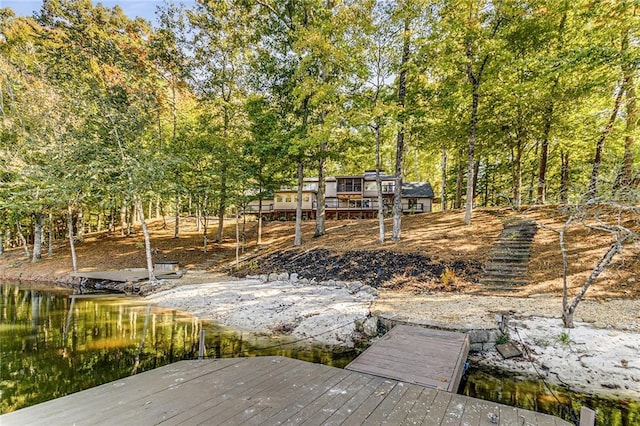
x=353 y=196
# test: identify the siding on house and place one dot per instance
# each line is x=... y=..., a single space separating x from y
x=353 y=196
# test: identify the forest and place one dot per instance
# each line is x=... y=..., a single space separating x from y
x=108 y=120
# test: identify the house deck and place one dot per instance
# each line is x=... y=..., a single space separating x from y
x=267 y=390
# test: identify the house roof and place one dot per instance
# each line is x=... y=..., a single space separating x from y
x=417 y=190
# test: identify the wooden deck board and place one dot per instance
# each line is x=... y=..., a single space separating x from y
x=427 y=357
x=264 y=390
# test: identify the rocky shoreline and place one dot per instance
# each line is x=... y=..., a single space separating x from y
x=596 y=357
x=599 y=356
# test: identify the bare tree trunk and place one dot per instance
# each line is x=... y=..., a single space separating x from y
x=475 y=97
x=38 y=227
x=457 y=203
x=626 y=174
x=381 y=230
x=443 y=166
x=476 y=172
x=564 y=177
x=593 y=184
x=260 y=219
x=176 y=226
x=205 y=223
x=402 y=82
x=72 y=245
x=297 y=241
x=23 y=240
x=568 y=309
x=50 y=245
x=1 y=241
x=80 y=224
x=123 y=219
x=517 y=176
x=541 y=194
x=322 y=186
x=222 y=206
x=147 y=240
x=237 y=238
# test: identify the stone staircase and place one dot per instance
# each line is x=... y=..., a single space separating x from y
x=506 y=269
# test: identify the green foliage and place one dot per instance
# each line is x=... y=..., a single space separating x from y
x=221 y=102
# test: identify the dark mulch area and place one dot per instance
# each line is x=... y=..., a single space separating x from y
x=376 y=268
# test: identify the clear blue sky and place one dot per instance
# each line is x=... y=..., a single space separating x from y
x=143 y=8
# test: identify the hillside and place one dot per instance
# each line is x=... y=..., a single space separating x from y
x=437 y=252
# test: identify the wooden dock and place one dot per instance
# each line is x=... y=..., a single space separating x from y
x=422 y=356
x=128 y=275
x=267 y=390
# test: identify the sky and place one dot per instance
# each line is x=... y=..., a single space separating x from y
x=132 y=8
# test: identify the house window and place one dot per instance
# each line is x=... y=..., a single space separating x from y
x=388 y=187
x=305 y=199
x=288 y=199
x=370 y=186
x=350 y=185
x=279 y=198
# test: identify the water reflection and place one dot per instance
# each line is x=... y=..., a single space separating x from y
x=536 y=396
x=53 y=344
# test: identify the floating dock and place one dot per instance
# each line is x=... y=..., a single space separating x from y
x=417 y=355
x=268 y=391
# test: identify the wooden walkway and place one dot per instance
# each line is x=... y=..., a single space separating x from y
x=129 y=275
x=422 y=356
x=267 y=390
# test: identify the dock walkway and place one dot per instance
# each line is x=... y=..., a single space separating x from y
x=267 y=390
x=417 y=355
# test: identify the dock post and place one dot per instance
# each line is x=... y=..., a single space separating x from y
x=587 y=416
x=201 y=345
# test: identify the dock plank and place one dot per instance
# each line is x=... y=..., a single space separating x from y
x=428 y=357
x=265 y=390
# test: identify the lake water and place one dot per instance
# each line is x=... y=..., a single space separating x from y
x=52 y=344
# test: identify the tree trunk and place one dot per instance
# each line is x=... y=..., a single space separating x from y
x=1 y=241
x=564 y=177
x=322 y=185
x=222 y=206
x=38 y=228
x=593 y=184
x=476 y=172
x=72 y=245
x=260 y=218
x=475 y=97
x=176 y=226
x=541 y=194
x=517 y=175
x=147 y=240
x=381 y=230
x=297 y=241
x=457 y=203
x=205 y=223
x=443 y=166
x=50 y=245
x=626 y=174
x=80 y=224
x=23 y=240
x=568 y=309
x=402 y=83
x=237 y=238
